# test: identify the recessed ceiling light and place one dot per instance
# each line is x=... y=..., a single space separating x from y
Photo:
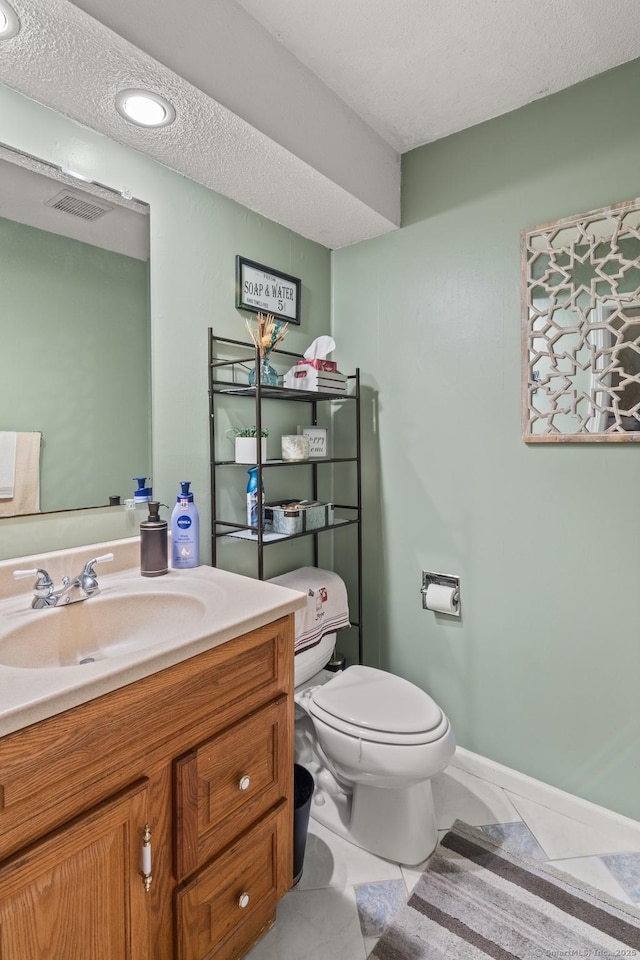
x=9 y=22
x=144 y=108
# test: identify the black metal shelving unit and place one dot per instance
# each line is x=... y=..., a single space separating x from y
x=228 y=377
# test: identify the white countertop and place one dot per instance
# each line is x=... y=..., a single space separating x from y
x=232 y=605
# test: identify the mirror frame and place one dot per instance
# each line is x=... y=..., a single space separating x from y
x=540 y=240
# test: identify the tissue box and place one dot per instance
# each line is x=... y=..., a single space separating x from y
x=330 y=366
x=297 y=516
x=308 y=378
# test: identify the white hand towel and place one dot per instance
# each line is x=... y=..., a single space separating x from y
x=327 y=606
x=8 y=440
x=26 y=494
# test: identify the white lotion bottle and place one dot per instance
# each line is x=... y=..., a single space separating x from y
x=185 y=530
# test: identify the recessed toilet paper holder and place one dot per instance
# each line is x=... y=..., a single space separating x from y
x=447 y=580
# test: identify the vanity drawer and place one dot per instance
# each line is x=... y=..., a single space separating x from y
x=226 y=783
x=222 y=911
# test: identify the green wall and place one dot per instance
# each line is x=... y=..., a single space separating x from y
x=541 y=672
x=75 y=324
x=195 y=236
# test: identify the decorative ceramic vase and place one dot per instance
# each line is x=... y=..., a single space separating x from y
x=268 y=376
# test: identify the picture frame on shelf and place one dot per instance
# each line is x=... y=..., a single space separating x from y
x=263 y=289
x=318 y=441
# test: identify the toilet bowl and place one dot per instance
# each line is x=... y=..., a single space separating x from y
x=372 y=742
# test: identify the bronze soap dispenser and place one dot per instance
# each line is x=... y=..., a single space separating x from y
x=153 y=543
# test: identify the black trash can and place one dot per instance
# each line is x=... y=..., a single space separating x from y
x=303 y=787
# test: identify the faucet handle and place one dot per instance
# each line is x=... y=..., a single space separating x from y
x=21 y=574
x=88 y=569
x=88 y=579
x=43 y=586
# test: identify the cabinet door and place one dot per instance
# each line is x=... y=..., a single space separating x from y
x=78 y=894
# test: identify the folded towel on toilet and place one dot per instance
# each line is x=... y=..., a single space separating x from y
x=327 y=606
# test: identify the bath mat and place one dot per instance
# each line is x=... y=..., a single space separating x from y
x=477 y=900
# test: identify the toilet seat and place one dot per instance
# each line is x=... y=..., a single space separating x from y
x=375 y=706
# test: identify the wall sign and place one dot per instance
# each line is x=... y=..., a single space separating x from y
x=318 y=441
x=265 y=290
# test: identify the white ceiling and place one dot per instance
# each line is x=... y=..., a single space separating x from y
x=419 y=70
x=301 y=110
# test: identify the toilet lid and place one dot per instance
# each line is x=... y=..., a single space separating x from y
x=376 y=700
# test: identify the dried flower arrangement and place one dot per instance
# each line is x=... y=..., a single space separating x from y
x=269 y=333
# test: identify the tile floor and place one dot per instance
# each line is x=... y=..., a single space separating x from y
x=346 y=896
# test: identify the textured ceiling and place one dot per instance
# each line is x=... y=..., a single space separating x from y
x=419 y=70
x=300 y=110
x=70 y=62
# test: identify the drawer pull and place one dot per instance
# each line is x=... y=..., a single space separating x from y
x=146 y=858
x=244 y=783
x=243 y=901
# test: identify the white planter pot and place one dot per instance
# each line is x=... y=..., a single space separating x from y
x=246 y=450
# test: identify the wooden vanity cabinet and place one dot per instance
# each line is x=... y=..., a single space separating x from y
x=202 y=753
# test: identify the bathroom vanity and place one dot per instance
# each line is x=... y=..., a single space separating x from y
x=154 y=820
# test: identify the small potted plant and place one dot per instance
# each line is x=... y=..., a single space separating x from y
x=246 y=444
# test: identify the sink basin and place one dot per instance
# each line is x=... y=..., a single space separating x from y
x=101 y=628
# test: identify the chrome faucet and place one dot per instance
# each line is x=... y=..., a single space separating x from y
x=73 y=589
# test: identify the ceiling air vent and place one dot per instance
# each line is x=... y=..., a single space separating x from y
x=79 y=205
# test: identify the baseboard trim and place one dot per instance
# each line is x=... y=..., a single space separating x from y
x=546 y=795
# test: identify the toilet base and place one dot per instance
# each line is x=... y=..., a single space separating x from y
x=406 y=833
x=398 y=825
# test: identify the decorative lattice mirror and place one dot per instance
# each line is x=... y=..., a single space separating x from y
x=581 y=327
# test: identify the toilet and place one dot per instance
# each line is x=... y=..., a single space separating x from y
x=372 y=742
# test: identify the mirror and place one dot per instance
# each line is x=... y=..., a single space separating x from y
x=581 y=327
x=75 y=412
